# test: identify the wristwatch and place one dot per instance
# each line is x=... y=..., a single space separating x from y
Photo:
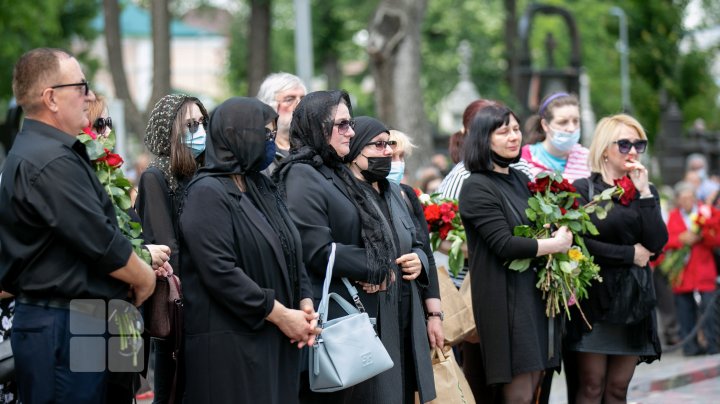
x=435 y=314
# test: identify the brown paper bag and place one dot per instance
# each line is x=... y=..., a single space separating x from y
x=466 y=295
x=459 y=321
x=450 y=383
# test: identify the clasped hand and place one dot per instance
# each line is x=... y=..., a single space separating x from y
x=298 y=325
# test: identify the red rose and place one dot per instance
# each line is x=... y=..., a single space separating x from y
x=88 y=131
x=111 y=159
x=575 y=204
x=629 y=190
x=539 y=185
x=563 y=210
x=444 y=230
x=418 y=192
x=432 y=213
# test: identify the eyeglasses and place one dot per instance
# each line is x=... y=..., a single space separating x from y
x=345 y=125
x=194 y=125
x=382 y=144
x=101 y=124
x=290 y=100
x=82 y=83
x=625 y=145
x=270 y=134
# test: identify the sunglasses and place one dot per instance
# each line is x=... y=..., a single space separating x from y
x=345 y=125
x=101 y=124
x=382 y=144
x=270 y=134
x=194 y=125
x=625 y=145
x=82 y=83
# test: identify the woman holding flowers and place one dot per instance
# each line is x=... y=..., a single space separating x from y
x=694 y=231
x=515 y=334
x=628 y=238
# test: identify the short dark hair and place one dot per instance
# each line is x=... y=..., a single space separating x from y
x=477 y=142
x=35 y=69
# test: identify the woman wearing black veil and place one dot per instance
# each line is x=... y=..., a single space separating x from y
x=328 y=204
x=242 y=265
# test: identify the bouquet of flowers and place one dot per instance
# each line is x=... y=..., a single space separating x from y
x=705 y=224
x=443 y=219
x=562 y=278
x=107 y=167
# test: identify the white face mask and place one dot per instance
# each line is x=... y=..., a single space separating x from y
x=564 y=141
x=397 y=171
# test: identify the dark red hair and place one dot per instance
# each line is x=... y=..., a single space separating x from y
x=458 y=138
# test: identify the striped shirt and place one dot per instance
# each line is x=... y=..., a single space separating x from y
x=575 y=168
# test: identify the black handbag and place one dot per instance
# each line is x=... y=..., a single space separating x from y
x=633 y=296
x=7 y=362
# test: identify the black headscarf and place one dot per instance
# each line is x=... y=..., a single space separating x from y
x=310 y=131
x=236 y=145
x=366 y=128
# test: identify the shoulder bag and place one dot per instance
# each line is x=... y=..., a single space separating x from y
x=348 y=350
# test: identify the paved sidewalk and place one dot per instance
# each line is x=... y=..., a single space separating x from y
x=673 y=371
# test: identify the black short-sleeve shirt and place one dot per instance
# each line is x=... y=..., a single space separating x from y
x=59 y=236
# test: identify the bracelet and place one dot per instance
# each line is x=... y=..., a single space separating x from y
x=646 y=196
x=439 y=314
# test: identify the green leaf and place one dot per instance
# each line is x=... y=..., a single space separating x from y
x=520 y=265
x=534 y=203
x=523 y=231
x=600 y=213
x=531 y=215
x=591 y=228
x=575 y=227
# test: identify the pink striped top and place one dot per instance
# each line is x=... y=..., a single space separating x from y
x=576 y=166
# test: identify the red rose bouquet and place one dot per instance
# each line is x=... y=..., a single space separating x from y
x=107 y=167
x=443 y=218
x=562 y=278
x=705 y=224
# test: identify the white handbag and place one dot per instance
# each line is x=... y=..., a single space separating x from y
x=348 y=351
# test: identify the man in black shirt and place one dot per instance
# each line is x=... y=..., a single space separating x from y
x=59 y=235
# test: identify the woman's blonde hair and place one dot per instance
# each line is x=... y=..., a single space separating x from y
x=404 y=143
x=96 y=108
x=606 y=132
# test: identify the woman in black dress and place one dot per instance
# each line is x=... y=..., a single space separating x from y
x=247 y=296
x=631 y=234
x=175 y=135
x=328 y=204
x=518 y=341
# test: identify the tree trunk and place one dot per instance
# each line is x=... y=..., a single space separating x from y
x=394 y=49
x=511 y=52
x=258 y=44
x=113 y=44
x=161 y=52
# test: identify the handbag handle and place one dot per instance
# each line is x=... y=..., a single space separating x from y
x=325 y=300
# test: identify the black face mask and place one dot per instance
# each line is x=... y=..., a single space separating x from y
x=378 y=168
x=503 y=162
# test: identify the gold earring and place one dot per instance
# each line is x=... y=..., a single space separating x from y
x=605 y=159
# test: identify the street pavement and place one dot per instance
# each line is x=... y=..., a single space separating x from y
x=673 y=379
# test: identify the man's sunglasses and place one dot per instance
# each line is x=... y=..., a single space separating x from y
x=82 y=83
x=625 y=145
x=382 y=144
x=345 y=125
x=101 y=124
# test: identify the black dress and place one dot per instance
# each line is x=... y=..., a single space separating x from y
x=515 y=335
x=233 y=271
x=613 y=249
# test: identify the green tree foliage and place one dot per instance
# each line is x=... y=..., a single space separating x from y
x=25 y=25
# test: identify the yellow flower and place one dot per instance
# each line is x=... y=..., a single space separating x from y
x=575 y=254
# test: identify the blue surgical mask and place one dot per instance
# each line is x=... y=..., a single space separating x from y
x=269 y=154
x=564 y=141
x=196 y=141
x=397 y=171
